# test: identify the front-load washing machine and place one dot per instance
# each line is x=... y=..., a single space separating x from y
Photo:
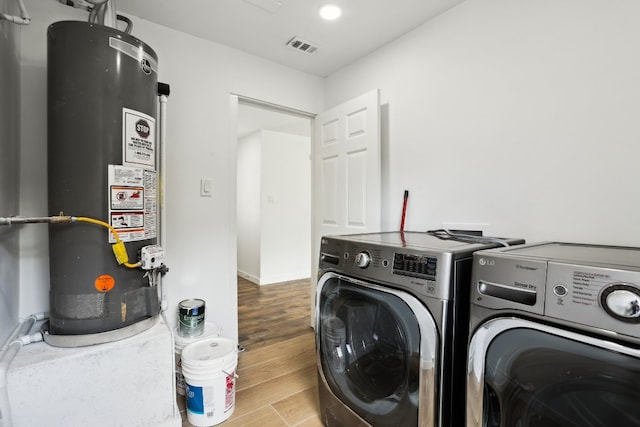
x=555 y=337
x=391 y=328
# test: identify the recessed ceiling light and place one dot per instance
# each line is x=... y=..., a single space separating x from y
x=330 y=12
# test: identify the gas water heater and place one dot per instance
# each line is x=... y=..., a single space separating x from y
x=102 y=104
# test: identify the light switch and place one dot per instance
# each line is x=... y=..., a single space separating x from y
x=206 y=187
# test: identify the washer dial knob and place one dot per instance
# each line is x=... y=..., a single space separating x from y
x=363 y=259
x=622 y=301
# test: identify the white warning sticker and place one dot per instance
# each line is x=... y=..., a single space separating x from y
x=138 y=139
x=132 y=203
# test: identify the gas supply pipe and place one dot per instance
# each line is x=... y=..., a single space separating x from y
x=119 y=249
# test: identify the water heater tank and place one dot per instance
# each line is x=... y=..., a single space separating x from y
x=102 y=108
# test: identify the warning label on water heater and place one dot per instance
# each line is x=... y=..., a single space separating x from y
x=138 y=138
x=132 y=203
x=127 y=197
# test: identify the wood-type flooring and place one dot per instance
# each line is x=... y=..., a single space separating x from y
x=270 y=314
x=277 y=384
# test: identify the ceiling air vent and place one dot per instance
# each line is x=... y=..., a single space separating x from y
x=302 y=45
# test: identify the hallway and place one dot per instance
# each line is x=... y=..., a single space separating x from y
x=277 y=383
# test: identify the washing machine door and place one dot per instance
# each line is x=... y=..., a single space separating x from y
x=527 y=374
x=376 y=353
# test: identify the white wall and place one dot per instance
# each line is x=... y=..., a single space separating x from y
x=249 y=212
x=519 y=114
x=515 y=113
x=274 y=207
x=286 y=207
x=9 y=172
x=201 y=231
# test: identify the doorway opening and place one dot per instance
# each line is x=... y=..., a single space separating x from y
x=273 y=193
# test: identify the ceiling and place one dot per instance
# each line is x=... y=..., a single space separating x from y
x=263 y=27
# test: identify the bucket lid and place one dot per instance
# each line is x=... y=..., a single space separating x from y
x=209 y=352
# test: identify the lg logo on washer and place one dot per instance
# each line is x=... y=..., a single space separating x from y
x=488 y=262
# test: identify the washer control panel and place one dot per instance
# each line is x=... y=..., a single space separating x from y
x=423 y=272
x=416 y=261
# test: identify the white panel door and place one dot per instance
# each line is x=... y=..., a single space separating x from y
x=346 y=168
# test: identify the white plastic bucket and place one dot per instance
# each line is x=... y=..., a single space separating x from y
x=209 y=369
x=211 y=330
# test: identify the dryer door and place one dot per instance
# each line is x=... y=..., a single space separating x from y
x=527 y=374
x=376 y=352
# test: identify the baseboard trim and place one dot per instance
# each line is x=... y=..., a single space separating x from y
x=249 y=277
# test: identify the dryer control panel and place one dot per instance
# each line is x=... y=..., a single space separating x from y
x=606 y=298
x=590 y=286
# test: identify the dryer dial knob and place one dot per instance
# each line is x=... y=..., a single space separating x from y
x=622 y=302
x=363 y=259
